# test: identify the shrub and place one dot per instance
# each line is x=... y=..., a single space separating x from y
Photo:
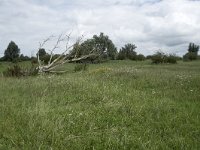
x=133 y=57
x=140 y=57
x=121 y=56
x=17 y=71
x=161 y=57
x=190 y=56
x=2 y=59
x=192 y=53
x=45 y=58
x=158 y=58
x=149 y=57
x=172 y=59
x=24 y=58
x=81 y=67
x=33 y=60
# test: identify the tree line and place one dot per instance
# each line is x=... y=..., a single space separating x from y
x=106 y=50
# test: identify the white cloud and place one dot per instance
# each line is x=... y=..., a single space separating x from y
x=150 y=24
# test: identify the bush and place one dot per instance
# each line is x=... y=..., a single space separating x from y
x=121 y=56
x=33 y=71
x=192 y=53
x=149 y=57
x=45 y=58
x=14 y=71
x=15 y=60
x=133 y=57
x=190 y=56
x=161 y=57
x=172 y=59
x=2 y=59
x=81 y=67
x=24 y=58
x=140 y=57
x=33 y=60
x=17 y=71
x=158 y=58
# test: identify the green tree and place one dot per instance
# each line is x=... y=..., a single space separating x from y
x=43 y=55
x=121 y=55
x=128 y=52
x=192 y=53
x=105 y=46
x=84 y=48
x=101 y=45
x=41 y=52
x=12 y=52
x=193 y=48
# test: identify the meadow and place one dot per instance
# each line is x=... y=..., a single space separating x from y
x=114 y=105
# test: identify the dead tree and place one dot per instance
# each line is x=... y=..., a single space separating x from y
x=65 y=57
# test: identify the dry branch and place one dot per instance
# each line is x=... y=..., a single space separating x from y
x=64 y=57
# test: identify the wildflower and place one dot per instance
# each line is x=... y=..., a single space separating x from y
x=153 y=92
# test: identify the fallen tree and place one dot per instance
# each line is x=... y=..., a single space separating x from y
x=65 y=57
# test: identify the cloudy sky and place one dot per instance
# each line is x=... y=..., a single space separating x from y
x=150 y=24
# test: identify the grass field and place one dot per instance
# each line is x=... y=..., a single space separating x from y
x=114 y=105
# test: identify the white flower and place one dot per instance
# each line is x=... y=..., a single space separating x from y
x=153 y=92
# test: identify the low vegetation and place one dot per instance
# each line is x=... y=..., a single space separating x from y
x=17 y=70
x=112 y=105
x=161 y=57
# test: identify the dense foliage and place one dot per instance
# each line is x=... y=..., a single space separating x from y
x=18 y=71
x=24 y=58
x=160 y=57
x=41 y=52
x=127 y=52
x=12 y=52
x=101 y=44
x=192 y=53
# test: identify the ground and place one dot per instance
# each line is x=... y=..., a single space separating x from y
x=113 y=105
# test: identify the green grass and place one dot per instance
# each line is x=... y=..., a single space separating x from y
x=114 y=105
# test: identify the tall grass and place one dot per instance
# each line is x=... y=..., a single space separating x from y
x=114 y=105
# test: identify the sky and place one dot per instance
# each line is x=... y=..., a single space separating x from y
x=167 y=25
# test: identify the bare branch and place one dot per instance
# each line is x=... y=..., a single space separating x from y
x=71 y=60
x=68 y=38
x=60 y=39
x=63 y=57
x=41 y=45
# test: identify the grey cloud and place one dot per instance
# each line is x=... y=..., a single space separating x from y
x=151 y=24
